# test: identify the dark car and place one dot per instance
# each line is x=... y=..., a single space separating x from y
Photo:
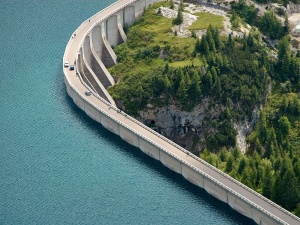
x=72 y=67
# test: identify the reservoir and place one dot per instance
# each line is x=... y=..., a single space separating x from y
x=57 y=166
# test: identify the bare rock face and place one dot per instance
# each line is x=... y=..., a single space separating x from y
x=182 y=127
x=191 y=129
x=243 y=129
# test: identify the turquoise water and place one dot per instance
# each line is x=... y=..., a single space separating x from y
x=57 y=166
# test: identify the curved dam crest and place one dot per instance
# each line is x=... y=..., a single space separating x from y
x=90 y=48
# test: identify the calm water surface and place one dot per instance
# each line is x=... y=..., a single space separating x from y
x=57 y=166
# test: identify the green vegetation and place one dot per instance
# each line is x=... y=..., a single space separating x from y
x=272 y=164
x=235 y=73
x=159 y=68
x=179 y=19
x=268 y=24
x=205 y=20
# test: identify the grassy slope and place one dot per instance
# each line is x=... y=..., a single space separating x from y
x=155 y=30
x=205 y=19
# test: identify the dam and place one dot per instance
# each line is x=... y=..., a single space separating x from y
x=90 y=48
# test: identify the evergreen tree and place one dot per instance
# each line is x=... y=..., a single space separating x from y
x=262 y=127
x=269 y=150
x=297 y=210
x=217 y=38
x=210 y=40
x=267 y=181
x=207 y=83
x=270 y=25
x=296 y=106
x=230 y=42
x=283 y=48
x=171 y=4
x=194 y=90
x=284 y=126
x=284 y=104
x=286 y=27
x=198 y=45
x=181 y=5
x=179 y=19
x=223 y=155
x=166 y=70
x=236 y=153
x=229 y=164
x=204 y=47
x=277 y=190
x=285 y=165
x=182 y=92
x=193 y=34
x=246 y=178
x=242 y=165
x=285 y=67
x=178 y=75
x=291 y=192
x=218 y=88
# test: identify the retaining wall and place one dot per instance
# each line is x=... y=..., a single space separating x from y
x=109 y=32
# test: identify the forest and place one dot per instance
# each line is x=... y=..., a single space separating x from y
x=238 y=73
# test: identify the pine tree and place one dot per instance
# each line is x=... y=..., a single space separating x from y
x=269 y=150
x=296 y=106
x=217 y=38
x=194 y=90
x=223 y=155
x=171 y=4
x=166 y=70
x=283 y=48
x=262 y=127
x=210 y=40
x=277 y=190
x=246 y=178
x=285 y=67
x=291 y=193
x=267 y=181
x=284 y=104
x=182 y=92
x=181 y=5
x=284 y=126
x=242 y=165
x=229 y=164
x=218 y=88
x=285 y=165
x=230 y=42
x=198 y=45
x=236 y=153
x=193 y=34
x=179 y=19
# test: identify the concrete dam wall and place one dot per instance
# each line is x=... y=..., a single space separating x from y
x=92 y=49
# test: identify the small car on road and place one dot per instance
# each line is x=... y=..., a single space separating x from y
x=88 y=93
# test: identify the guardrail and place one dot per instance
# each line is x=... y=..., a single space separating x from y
x=162 y=137
x=179 y=159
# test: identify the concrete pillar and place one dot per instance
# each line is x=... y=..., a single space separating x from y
x=112 y=31
x=122 y=36
x=97 y=41
x=94 y=82
x=128 y=16
x=98 y=67
x=109 y=57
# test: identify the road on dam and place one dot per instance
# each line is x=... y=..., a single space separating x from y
x=74 y=80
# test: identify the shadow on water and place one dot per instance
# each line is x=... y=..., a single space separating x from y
x=155 y=165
